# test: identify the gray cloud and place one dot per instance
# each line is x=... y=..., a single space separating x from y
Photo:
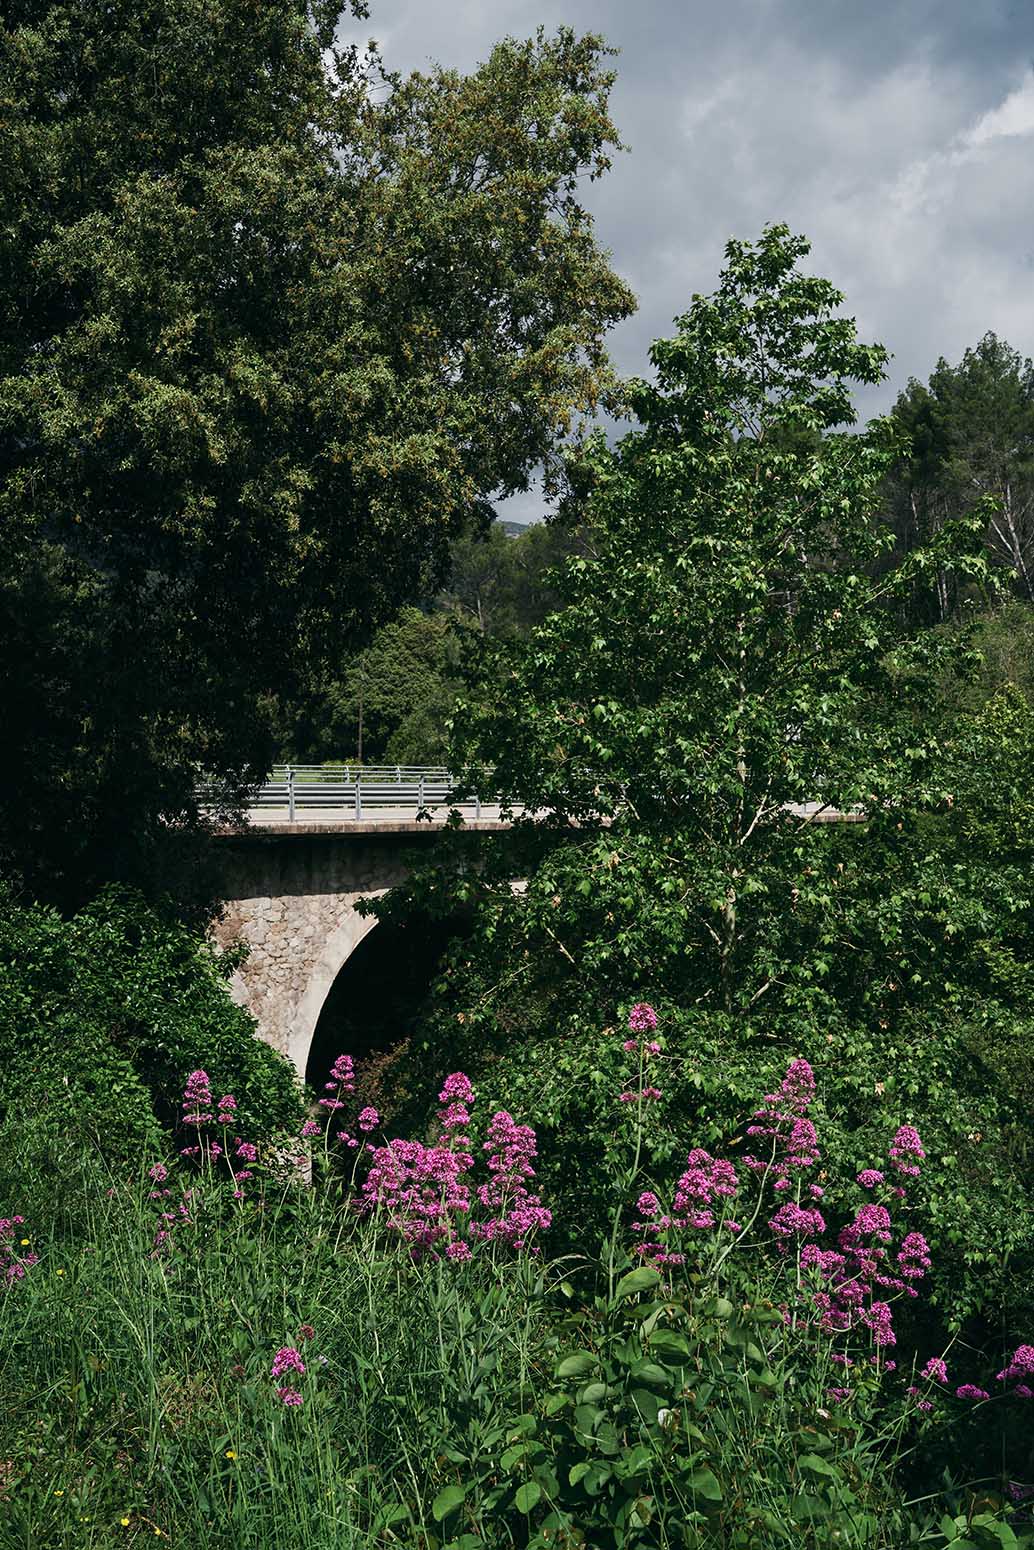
x=897 y=135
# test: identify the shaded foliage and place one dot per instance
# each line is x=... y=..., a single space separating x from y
x=971 y=429
x=102 y=1016
x=270 y=334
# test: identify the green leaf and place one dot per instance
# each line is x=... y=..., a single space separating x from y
x=528 y=1496
x=817 y=1465
x=636 y=1281
x=649 y=1372
x=447 y=1500
x=577 y=1364
x=704 y=1483
x=669 y=1346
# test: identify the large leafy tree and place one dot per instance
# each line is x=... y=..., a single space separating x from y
x=727 y=668
x=273 y=326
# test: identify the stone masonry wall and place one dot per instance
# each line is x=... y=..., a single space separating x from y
x=291 y=897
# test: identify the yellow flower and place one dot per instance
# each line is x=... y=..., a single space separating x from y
x=25 y=1243
x=230 y=1453
x=124 y=1522
x=59 y=1493
x=61 y=1272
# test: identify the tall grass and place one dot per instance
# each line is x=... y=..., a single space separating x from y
x=137 y=1396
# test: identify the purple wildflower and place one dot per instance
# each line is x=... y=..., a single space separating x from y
x=642 y=1018
x=287 y=1359
x=906 y=1151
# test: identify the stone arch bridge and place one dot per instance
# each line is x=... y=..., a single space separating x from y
x=291 y=891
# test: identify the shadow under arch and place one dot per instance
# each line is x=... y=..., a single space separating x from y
x=376 y=997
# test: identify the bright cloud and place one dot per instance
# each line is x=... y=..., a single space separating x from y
x=896 y=137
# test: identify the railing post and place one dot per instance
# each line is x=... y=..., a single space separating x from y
x=290 y=794
x=477 y=807
x=358 y=795
x=420 y=793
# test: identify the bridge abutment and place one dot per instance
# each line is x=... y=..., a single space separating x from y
x=291 y=892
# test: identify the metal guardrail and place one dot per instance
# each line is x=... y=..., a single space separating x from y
x=316 y=786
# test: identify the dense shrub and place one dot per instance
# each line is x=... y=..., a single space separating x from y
x=101 y=1014
x=732 y=661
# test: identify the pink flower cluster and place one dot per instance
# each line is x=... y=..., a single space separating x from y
x=706 y=1182
x=197 y=1099
x=422 y=1192
x=197 y=1112
x=855 y=1280
x=783 y=1120
x=906 y=1152
x=936 y=1370
x=342 y=1080
x=418 y=1191
x=164 y=1237
x=861 y=1263
x=13 y=1263
x=286 y=1362
x=515 y=1214
x=1020 y=1367
x=642 y=1019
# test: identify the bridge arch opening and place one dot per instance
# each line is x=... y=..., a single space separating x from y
x=374 y=1004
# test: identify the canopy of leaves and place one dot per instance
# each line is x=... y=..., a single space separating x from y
x=392 y=703
x=273 y=326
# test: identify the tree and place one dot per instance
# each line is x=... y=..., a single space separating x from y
x=500 y=584
x=723 y=658
x=391 y=704
x=971 y=430
x=393 y=701
x=274 y=325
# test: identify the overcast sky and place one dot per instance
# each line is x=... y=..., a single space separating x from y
x=898 y=135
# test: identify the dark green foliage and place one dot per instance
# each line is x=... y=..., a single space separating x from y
x=269 y=336
x=390 y=706
x=103 y=1016
x=1003 y=641
x=393 y=702
x=972 y=434
x=501 y=585
x=722 y=652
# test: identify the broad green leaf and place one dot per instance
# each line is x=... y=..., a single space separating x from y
x=636 y=1281
x=528 y=1496
x=447 y=1500
x=575 y=1365
x=704 y=1483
